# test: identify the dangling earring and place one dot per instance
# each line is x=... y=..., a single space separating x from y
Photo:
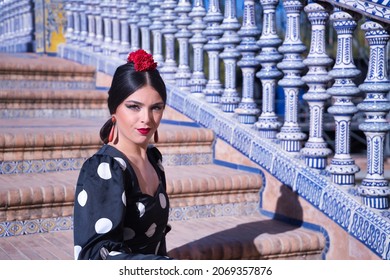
x=111 y=135
x=156 y=137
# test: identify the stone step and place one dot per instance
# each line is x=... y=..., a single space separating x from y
x=48 y=103
x=242 y=237
x=213 y=238
x=32 y=196
x=29 y=70
x=44 y=145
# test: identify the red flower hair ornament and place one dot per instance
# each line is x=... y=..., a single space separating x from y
x=142 y=60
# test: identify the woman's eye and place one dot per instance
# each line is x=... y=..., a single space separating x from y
x=157 y=108
x=133 y=107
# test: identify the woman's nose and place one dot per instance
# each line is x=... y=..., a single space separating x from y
x=146 y=116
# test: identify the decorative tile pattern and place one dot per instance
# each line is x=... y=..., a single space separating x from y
x=374 y=8
x=13 y=84
x=15 y=228
x=53 y=113
x=40 y=166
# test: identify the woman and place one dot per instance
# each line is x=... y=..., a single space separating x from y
x=121 y=206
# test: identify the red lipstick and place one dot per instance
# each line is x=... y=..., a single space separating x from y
x=143 y=131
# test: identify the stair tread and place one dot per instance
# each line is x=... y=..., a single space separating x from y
x=180 y=179
x=11 y=95
x=226 y=237
x=41 y=188
x=36 y=63
x=26 y=132
x=241 y=237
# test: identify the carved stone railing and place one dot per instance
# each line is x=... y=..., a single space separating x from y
x=303 y=162
x=16 y=26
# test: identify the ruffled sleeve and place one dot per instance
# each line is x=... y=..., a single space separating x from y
x=99 y=210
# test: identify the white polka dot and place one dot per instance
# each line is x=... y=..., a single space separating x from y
x=163 y=200
x=141 y=209
x=124 y=198
x=128 y=233
x=121 y=162
x=114 y=253
x=104 y=171
x=151 y=230
x=82 y=198
x=103 y=225
x=76 y=251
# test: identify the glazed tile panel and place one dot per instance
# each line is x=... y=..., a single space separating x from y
x=376 y=8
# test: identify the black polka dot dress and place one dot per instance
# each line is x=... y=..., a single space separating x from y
x=113 y=219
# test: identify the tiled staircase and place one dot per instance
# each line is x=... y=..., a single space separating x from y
x=52 y=110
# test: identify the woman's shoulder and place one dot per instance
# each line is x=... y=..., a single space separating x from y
x=106 y=156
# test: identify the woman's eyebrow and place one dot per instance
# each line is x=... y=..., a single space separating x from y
x=140 y=103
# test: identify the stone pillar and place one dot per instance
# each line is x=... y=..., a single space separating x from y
x=98 y=42
x=292 y=65
x=91 y=23
x=144 y=23
x=124 y=46
x=156 y=27
x=133 y=22
x=342 y=166
x=76 y=22
x=268 y=124
x=116 y=28
x=247 y=111
x=69 y=21
x=374 y=188
x=183 y=73
x=106 y=14
x=213 y=32
x=83 y=24
x=230 y=39
x=198 y=80
x=169 y=68
x=317 y=79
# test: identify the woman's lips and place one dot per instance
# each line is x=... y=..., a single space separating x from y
x=143 y=131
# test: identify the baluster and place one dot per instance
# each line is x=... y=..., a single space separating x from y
x=317 y=78
x=213 y=32
x=230 y=97
x=83 y=24
x=69 y=22
x=98 y=42
x=91 y=24
x=342 y=166
x=116 y=29
x=198 y=80
x=269 y=74
x=144 y=23
x=170 y=67
x=374 y=188
x=156 y=27
x=247 y=111
x=183 y=73
x=123 y=15
x=76 y=22
x=106 y=48
x=133 y=22
x=292 y=65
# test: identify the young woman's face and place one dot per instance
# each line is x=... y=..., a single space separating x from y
x=139 y=116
